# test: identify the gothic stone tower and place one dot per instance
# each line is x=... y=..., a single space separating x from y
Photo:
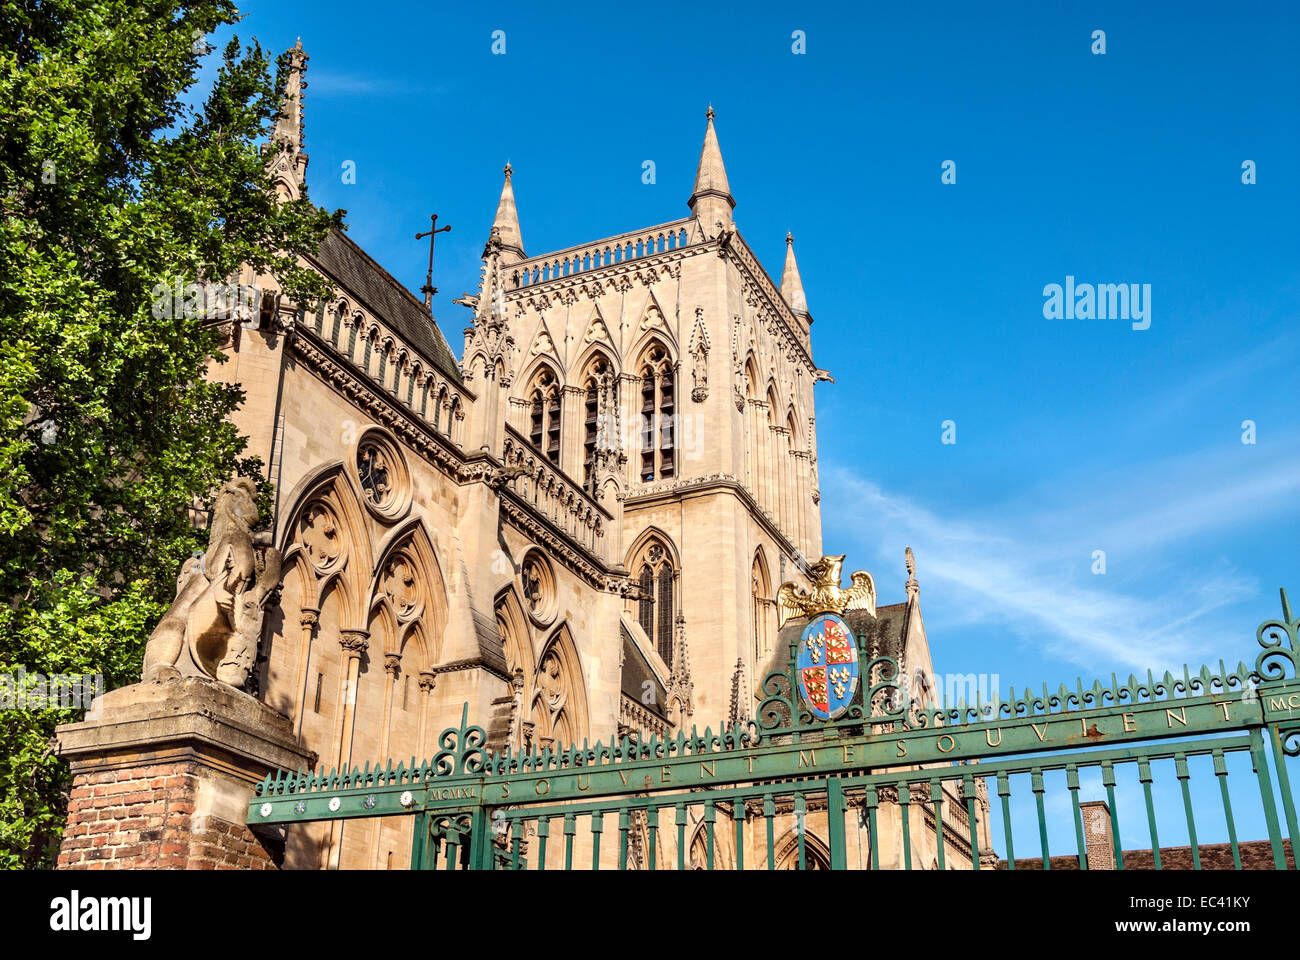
x=665 y=371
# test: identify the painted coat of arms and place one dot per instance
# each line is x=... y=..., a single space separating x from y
x=828 y=666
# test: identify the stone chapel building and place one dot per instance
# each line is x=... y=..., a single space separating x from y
x=578 y=527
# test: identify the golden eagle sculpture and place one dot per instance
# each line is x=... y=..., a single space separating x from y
x=826 y=595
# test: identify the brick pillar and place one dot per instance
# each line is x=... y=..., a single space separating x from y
x=1097 y=835
x=163 y=773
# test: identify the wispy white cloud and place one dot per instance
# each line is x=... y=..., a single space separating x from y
x=1029 y=571
x=357 y=85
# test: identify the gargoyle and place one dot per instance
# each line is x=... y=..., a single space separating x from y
x=500 y=476
x=213 y=627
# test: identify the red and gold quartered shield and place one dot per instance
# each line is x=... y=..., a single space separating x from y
x=827 y=665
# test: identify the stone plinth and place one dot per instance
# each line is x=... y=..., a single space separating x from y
x=162 y=777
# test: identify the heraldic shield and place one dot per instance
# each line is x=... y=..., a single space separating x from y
x=828 y=666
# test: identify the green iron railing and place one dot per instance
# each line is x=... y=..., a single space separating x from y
x=668 y=801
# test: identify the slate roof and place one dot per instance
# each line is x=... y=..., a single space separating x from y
x=341 y=259
x=635 y=672
x=887 y=634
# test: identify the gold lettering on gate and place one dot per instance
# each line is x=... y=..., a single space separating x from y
x=1274 y=703
x=1181 y=717
x=1041 y=733
x=1224 y=705
x=622 y=776
x=848 y=753
x=804 y=760
x=663 y=774
x=952 y=744
x=710 y=768
x=988 y=737
x=584 y=786
x=505 y=790
x=1130 y=724
x=902 y=749
x=751 y=764
x=540 y=784
x=454 y=793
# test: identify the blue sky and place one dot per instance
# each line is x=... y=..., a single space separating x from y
x=1072 y=435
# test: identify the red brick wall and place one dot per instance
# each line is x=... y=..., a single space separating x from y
x=142 y=817
x=1255 y=855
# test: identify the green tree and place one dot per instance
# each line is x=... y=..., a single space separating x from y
x=115 y=176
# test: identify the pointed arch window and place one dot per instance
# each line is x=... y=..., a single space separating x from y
x=645 y=611
x=536 y=422
x=590 y=412
x=760 y=591
x=439 y=409
x=338 y=324
x=657 y=608
x=596 y=385
x=454 y=416
x=558 y=713
x=658 y=416
x=667 y=409
x=544 y=403
x=647 y=426
x=664 y=614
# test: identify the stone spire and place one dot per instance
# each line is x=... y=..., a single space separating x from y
x=290 y=160
x=791 y=284
x=711 y=200
x=913 y=587
x=681 y=689
x=507 y=221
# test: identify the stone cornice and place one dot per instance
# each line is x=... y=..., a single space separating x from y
x=470 y=663
x=368 y=396
x=664 y=491
x=752 y=271
x=562 y=547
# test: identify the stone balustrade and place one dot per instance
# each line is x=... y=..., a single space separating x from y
x=551 y=495
x=603 y=253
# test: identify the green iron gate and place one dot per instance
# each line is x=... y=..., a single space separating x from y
x=884 y=785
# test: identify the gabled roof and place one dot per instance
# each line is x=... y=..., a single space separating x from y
x=636 y=671
x=342 y=260
x=886 y=633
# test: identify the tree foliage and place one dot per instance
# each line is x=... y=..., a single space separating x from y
x=115 y=177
